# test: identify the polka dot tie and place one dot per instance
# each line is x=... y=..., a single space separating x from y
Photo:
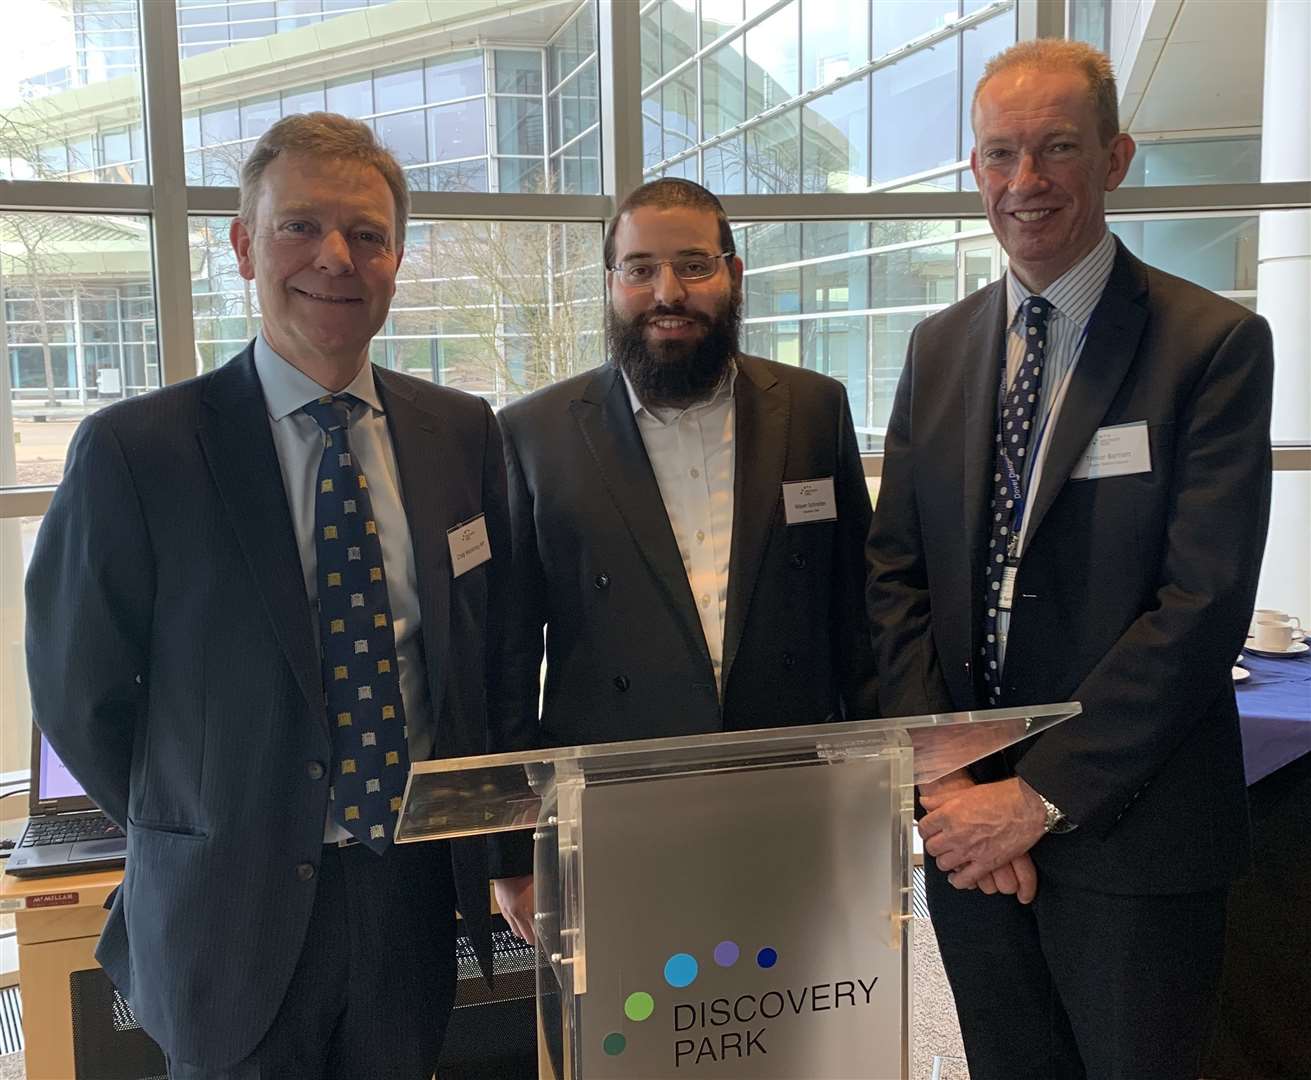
x=1015 y=425
x=361 y=683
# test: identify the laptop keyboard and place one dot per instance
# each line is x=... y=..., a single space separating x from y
x=65 y=830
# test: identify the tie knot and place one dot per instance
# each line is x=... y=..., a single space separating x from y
x=329 y=412
x=1036 y=311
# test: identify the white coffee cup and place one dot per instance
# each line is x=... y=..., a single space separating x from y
x=1274 y=636
x=1272 y=615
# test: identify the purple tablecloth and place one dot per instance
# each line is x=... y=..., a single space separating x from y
x=1274 y=709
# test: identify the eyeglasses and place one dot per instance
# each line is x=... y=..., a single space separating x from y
x=642 y=273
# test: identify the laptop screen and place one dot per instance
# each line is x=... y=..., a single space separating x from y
x=54 y=781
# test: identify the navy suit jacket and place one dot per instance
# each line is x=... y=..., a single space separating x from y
x=1134 y=592
x=173 y=667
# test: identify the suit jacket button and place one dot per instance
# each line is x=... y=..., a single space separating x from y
x=798 y=560
x=622 y=683
x=314 y=770
x=789 y=661
x=602 y=581
x=305 y=871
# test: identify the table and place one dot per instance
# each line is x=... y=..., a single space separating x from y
x=1274 y=708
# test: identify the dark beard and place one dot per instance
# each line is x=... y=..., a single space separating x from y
x=675 y=374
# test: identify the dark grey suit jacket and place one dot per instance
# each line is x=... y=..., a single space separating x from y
x=173 y=666
x=596 y=564
x=1134 y=594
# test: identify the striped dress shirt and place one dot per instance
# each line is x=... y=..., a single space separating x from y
x=1073 y=296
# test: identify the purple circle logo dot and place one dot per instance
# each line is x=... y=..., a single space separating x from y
x=767 y=957
x=726 y=953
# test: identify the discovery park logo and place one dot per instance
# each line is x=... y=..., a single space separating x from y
x=735 y=1025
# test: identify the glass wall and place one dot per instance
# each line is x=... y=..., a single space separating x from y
x=815 y=96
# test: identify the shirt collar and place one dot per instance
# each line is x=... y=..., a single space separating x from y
x=668 y=415
x=1076 y=292
x=287 y=388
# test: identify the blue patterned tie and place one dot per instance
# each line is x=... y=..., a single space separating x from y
x=361 y=682
x=1015 y=425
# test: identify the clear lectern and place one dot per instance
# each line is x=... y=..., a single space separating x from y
x=730 y=905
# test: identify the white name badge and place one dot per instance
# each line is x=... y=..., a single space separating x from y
x=805 y=501
x=1006 y=600
x=469 y=545
x=1116 y=451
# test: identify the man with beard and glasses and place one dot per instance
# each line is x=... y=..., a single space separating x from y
x=688 y=522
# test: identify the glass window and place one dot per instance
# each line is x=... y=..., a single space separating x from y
x=723 y=88
x=1218 y=252
x=773 y=153
x=677 y=31
x=772 y=61
x=518 y=72
x=1197 y=161
x=303 y=100
x=679 y=113
x=258 y=115
x=352 y=96
x=915 y=115
x=455 y=76
x=519 y=126
x=902 y=21
x=718 y=17
x=405 y=135
x=398 y=88
x=835 y=134
x=61 y=277
x=61 y=49
x=457 y=131
x=834 y=40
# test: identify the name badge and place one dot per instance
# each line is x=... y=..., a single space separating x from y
x=1121 y=450
x=469 y=545
x=1005 y=600
x=805 y=501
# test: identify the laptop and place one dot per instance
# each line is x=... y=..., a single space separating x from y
x=65 y=831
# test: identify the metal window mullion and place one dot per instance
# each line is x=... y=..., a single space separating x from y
x=162 y=116
x=620 y=47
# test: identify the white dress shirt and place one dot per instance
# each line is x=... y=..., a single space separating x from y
x=1072 y=296
x=299 y=443
x=691 y=454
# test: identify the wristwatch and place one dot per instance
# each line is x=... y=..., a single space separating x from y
x=1056 y=821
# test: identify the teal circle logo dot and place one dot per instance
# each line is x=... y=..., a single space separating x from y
x=767 y=957
x=614 y=1044
x=680 y=970
x=639 y=1006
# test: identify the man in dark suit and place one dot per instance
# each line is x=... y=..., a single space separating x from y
x=687 y=521
x=1074 y=505
x=246 y=616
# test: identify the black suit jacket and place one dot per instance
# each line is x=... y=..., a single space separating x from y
x=1134 y=593
x=596 y=564
x=173 y=666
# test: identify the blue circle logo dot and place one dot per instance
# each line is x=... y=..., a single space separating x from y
x=680 y=970
x=767 y=957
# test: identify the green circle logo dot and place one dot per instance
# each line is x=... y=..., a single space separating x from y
x=614 y=1044
x=639 y=1006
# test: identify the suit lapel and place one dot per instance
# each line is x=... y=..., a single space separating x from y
x=609 y=430
x=421 y=445
x=1114 y=330
x=762 y=410
x=238 y=445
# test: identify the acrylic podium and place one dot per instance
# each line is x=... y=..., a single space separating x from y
x=729 y=905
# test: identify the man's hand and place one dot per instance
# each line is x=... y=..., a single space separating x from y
x=1018 y=878
x=514 y=896
x=974 y=831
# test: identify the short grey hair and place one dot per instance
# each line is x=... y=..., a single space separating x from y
x=323 y=135
x=1056 y=54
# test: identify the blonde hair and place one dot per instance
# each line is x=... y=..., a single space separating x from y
x=1055 y=54
x=323 y=135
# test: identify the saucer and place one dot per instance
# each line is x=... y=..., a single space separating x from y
x=1295 y=649
x=1240 y=674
